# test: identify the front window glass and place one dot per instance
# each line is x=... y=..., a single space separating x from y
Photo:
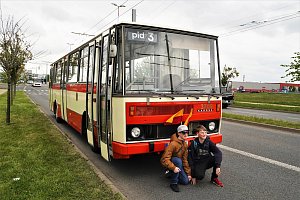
x=165 y=62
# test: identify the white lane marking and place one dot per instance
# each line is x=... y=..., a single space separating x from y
x=281 y=164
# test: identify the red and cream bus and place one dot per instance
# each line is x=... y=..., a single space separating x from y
x=127 y=89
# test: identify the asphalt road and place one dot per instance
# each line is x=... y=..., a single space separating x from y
x=258 y=163
x=292 y=117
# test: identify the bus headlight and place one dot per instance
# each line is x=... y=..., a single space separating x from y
x=211 y=126
x=135 y=132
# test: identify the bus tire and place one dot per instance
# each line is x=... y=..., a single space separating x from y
x=58 y=119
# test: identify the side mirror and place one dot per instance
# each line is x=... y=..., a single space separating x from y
x=113 y=51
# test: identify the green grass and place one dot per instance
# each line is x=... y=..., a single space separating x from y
x=270 y=98
x=268 y=101
x=280 y=123
x=32 y=149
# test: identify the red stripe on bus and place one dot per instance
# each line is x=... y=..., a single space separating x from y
x=56 y=86
x=141 y=113
x=58 y=111
x=74 y=119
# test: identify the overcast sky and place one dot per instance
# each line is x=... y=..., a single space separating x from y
x=255 y=37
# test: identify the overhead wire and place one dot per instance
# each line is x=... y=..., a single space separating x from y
x=121 y=15
x=104 y=17
x=99 y=29
x=223 y=25
x=259 y=24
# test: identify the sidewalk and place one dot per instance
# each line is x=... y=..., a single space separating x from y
x=2 y=91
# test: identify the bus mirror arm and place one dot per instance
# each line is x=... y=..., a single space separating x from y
x=113 y=51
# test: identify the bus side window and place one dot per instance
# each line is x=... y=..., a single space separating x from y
x=83 y=65
x=73 y=67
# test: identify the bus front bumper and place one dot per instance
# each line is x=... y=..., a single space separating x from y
x=124 y=151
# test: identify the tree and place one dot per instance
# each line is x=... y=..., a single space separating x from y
x=14 y=53
x=227 y=74
x=293 y=69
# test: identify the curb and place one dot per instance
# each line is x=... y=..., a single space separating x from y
x=292 y=130
x=102 y=176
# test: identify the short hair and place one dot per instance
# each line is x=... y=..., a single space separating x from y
x=199 y=128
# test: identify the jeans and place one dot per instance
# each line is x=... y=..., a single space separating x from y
x=181 y=176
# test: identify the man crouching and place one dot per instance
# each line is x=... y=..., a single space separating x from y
x=175 y=158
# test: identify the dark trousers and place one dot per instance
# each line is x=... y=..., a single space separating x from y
x=200 y=166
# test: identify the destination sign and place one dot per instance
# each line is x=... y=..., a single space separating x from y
x=141 y=35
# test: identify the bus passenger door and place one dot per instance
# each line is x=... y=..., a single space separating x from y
x=91 y=100
x=104 y=99
x=63 y=90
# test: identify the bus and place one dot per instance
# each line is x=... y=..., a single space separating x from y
x=127 y=89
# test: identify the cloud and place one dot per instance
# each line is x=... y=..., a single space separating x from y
x=255 y=53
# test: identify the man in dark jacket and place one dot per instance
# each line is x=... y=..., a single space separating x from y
x=175 y=158
x=204 y=154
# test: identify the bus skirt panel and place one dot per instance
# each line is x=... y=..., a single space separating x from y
x=124 y=151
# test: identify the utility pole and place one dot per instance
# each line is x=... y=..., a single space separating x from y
x=133 y=15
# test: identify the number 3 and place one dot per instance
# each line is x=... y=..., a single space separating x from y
x=150 y=37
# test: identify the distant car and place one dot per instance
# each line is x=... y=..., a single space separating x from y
x=227 y=99
x=36 y=84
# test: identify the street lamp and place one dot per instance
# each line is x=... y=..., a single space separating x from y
x=70 y=45
x=118 y=6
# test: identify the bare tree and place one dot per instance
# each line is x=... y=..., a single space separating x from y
x=14 y=53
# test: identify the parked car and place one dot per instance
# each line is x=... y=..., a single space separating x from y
x=227 y=95
x=227 y=99
x=30 y=81
x=36 y=84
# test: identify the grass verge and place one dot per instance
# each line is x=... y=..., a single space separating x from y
x=288 y=102
x=37 y=162
x=281 y=123
x=270 y=98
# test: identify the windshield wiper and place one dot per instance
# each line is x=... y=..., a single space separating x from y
x=161 y=95
x=169 y=63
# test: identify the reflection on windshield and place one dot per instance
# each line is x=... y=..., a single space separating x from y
x=160 y=62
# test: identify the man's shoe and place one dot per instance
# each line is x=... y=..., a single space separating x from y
x=217 y=182
x=174 y=187
x=167 y=174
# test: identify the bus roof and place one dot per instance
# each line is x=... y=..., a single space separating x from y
x=136 y=25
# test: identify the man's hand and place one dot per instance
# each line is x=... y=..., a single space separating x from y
x=190 y=178
x=176 y=170
x=218 y=171
x=194 y=181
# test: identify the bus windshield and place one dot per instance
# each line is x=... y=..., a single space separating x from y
x=163 y=62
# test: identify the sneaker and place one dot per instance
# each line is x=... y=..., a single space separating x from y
x=167 y=174
x=217 y=182
x=174 y=187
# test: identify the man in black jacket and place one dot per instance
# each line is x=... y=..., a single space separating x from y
x=204 y=154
